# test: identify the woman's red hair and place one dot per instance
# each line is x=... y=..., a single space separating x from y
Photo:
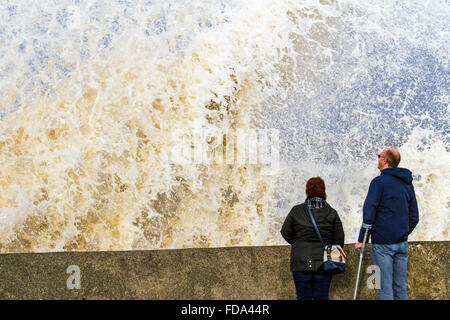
x=315 y=187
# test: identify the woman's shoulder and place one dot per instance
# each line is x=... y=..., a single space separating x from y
x=328 y=205
x=299 y=205
x=331 y=212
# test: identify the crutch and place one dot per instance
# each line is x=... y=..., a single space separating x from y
x=367 y=227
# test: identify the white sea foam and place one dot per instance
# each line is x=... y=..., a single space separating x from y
x=91 y=94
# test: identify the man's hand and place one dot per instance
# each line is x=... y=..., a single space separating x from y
x=358 y=246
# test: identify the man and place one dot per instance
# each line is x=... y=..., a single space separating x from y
x=390 y=210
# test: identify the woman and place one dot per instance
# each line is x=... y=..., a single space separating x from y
x=307 y=252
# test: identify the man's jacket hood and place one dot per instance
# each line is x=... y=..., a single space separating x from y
x=401 y=173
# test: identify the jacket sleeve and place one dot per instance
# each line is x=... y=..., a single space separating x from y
x=338 y=232
x=413 y=211
x=287 y=230
x=370 y=206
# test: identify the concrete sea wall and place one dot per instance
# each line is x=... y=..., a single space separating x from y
x=207 y=273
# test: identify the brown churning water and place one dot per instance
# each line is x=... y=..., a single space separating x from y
x=171 y=125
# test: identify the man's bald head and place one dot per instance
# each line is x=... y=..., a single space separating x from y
x=392 y=157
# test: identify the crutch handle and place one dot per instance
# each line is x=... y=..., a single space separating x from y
x=367 y=227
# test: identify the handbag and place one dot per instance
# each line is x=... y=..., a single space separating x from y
x=334 y=257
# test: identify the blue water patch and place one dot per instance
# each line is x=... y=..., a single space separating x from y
x=21 y=47
x=105 y=41
x=402 y=87
x=43 y=24
x=159 y=26
x=41 y=57
x=12 y=10
x=64 y=70
x=115 y=26
x=17 y=103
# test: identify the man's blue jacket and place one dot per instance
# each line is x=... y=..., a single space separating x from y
x=390 y=207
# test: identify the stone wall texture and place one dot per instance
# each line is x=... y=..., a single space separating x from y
x=232 y=273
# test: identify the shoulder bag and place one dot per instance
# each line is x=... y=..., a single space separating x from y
x=334 y=257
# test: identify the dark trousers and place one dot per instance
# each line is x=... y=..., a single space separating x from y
x=312 y=285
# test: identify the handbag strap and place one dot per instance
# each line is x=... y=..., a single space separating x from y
x=314 y=224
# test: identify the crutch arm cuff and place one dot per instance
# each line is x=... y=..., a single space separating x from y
x=365 y=230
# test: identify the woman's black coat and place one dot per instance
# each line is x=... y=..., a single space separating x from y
x=298 y=230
